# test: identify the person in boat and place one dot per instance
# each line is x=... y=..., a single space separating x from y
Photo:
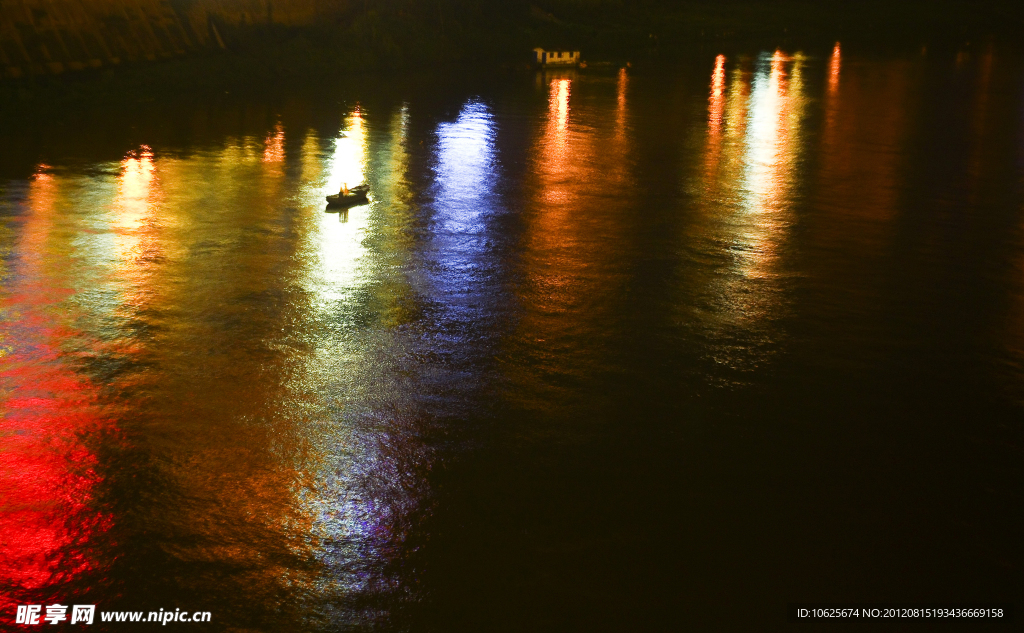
x=344 y=189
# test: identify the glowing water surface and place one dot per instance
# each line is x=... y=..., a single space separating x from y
x=601 y=350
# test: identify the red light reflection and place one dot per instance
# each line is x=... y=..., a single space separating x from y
x=46 y=409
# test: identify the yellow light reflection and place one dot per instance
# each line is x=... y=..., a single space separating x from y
x=765 y=164
x=133 y=191
x=736 y=104
x=393 y=294
x=312 y=162
x=37 y=232
x=556 y=153
x=42 y=199
x=135 y=222
x=832 y=97
x=748 y=179
x=562 y=103
x=768 y=139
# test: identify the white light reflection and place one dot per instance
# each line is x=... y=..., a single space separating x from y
x=774 y=117
x=349 y=158
x=772 y=147
x=366 y=479
x=135 y=225
x=133 y=207
x=340 y=242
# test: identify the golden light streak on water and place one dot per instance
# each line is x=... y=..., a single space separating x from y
x=293 y=387
x=736 y=110
x=394 y=293
x=745 y=209
x=834 y=64
x=769 y=173
x=312 y=166
x=347 y=166
x=562 y=104
x=768 y=139
x=135 y=221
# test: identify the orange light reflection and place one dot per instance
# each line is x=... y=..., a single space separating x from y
x=621 y=111
x=580 y=163
x=559 y=107
x=716 y=101
x=833 y=71
x=716 y=106
x=274 y=146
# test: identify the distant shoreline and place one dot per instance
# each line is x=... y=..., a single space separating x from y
x=271 y=59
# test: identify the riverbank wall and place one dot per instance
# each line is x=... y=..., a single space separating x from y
x=227 y=42
x=51 y=37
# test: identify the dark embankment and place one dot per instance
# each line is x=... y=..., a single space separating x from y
x=399 y=36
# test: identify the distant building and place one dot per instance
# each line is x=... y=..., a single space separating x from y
x=556 y=58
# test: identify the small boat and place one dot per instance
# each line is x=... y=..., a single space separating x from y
x=356 y=195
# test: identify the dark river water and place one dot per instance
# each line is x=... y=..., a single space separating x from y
x=616 y=352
